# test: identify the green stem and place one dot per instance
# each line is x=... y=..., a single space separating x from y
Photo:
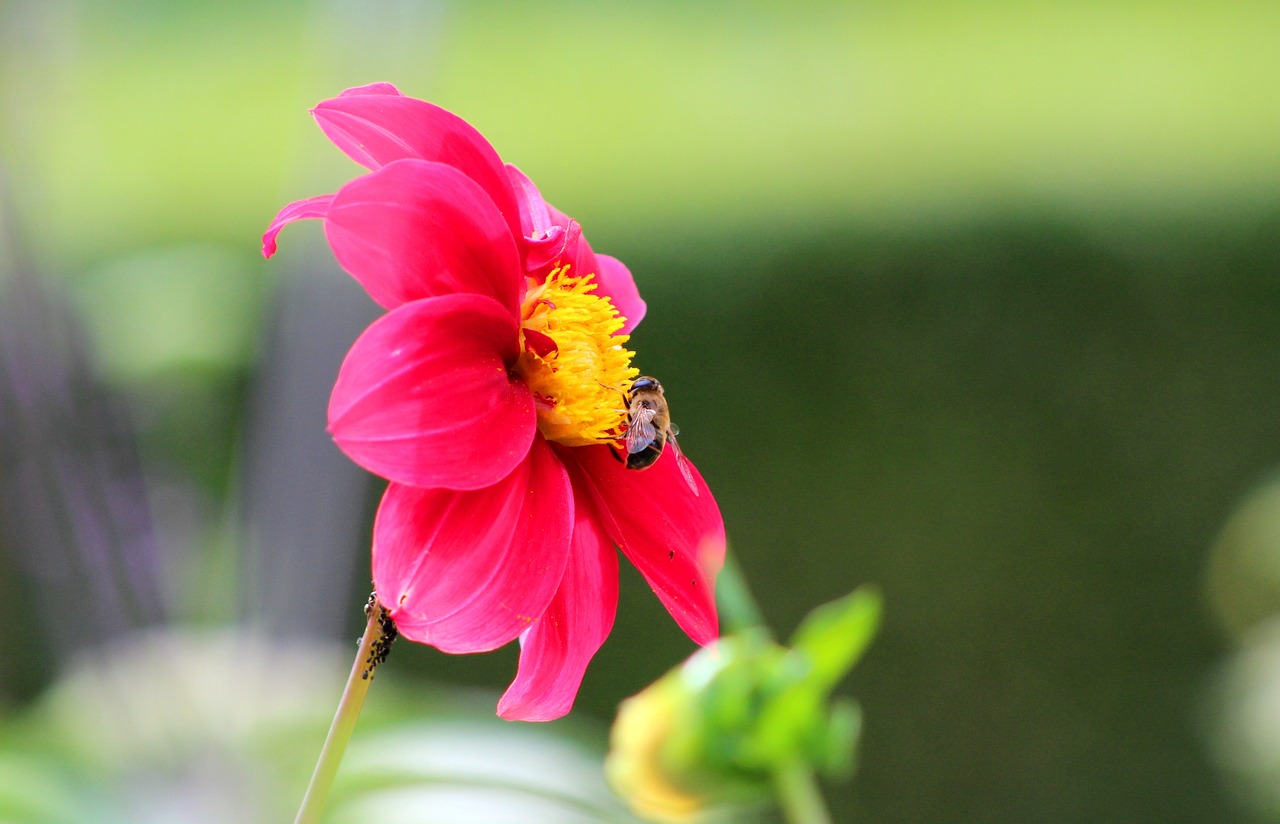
x=379 y=632
x=799 y=796
x=737 y=606
x=797 y=789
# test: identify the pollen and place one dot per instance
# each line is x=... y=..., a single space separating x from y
x=574 y=361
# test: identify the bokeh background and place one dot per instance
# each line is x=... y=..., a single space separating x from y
x=977 y=302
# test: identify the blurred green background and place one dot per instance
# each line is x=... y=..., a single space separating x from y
x=977 y=302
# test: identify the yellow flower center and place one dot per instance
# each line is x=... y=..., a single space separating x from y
x=573 y=361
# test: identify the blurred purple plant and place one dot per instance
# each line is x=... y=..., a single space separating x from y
x=85 y=556
x=301 y=497
x=73 y=507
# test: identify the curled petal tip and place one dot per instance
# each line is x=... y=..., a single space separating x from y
x=313 y=208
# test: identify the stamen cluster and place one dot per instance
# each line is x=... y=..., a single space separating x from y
x=580 y=375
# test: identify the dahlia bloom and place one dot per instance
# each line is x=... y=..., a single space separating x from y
x=491 y=395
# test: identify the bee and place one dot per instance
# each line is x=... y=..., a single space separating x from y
x=649 y=428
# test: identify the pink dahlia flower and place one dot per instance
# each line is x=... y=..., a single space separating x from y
x=491 y=396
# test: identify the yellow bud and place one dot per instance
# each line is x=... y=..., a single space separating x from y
x=635 y=765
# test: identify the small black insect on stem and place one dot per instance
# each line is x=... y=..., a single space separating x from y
x=381 y=646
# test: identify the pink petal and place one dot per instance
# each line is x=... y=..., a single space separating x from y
x=381 y=87
x=555 y=650
x=535 y=216
x=469 y=571
x=616 y=282
x=376 y=125
x=312 y=207
x=424 y=396
x=415 y=229
x=539 y=342
x=674 y=537
x=552 y=236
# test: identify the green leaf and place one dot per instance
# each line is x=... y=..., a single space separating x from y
x=833 y=751
x=835 y=635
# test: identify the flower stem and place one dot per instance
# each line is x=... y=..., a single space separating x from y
x=798 y=795
x=379 y=632
x=797 y=789
x=737 y=605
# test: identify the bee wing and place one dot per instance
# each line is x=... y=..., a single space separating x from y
x=680 y=461
x=640 y=431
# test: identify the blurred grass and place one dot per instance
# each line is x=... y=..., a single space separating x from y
x=638 y=118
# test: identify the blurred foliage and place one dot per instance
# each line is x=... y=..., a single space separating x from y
x=641 y=117
x=1243 y=713
x=723 y=728
x=982 y=297
x=1027 y=435
x=1244 y=570
x=207 y=727
x=1244 y=725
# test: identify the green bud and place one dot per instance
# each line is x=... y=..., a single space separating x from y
x=720 y=727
